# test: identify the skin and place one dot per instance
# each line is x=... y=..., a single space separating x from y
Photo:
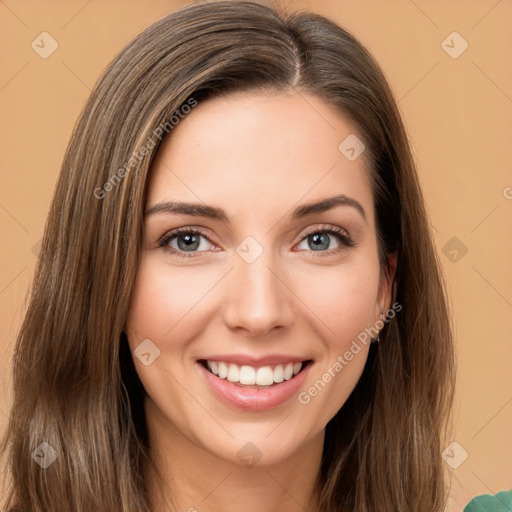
x=257 y=156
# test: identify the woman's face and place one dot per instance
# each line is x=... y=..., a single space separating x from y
x=262 y=283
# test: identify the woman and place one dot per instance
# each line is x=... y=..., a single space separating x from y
x=238 y=303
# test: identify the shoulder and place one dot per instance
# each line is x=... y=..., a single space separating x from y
x=500 y=502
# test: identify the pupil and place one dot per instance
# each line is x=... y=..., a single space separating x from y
x=190 y=241
x=320 y=241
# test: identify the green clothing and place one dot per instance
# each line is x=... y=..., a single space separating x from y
x=500 y=502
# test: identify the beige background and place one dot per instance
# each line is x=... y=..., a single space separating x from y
x=458 y=112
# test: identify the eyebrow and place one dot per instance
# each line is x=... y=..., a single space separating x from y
x=212 y=212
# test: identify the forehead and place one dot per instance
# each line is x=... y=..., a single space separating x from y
x=259 y=152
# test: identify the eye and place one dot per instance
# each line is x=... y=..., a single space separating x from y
x=187 y=242
x=318 y=239
x=184 y=240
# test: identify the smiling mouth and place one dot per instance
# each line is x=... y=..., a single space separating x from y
x=245 y=376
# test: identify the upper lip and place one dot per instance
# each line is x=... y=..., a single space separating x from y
x=245 y=359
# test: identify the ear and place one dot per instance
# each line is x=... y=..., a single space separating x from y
x=386 y=286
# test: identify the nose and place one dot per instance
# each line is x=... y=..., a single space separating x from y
x=258 y=299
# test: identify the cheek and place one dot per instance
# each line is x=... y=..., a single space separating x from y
x=163 y=301
x=343 y=301
x=343 y=298
x=162 y=311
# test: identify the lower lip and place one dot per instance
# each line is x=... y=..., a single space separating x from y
x=252 y=399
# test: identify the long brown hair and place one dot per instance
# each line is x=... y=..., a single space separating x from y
x=74 y=382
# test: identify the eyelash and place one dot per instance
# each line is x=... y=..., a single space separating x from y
x=339 y=233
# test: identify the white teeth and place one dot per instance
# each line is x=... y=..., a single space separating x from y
x=264 y=376
x=288 y=371
x=279 y=373
x=233 y=373
x=223 y=370
x=248 y=375
x=214 y=367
